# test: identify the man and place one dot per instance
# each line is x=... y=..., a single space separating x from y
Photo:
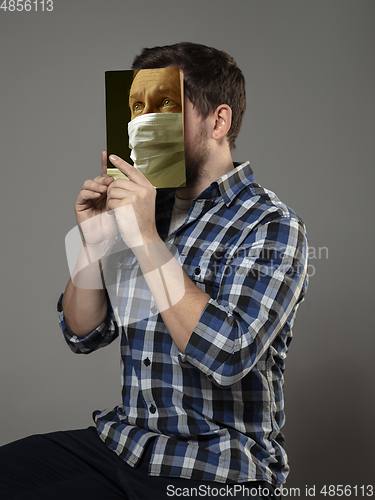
x=225 y=262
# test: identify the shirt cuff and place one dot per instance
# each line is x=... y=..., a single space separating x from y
x=91 y=341
x=212 y=341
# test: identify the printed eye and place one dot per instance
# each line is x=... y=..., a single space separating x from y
x=137 y=107
x=168 y=102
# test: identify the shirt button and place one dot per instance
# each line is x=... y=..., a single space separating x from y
x=147 y=362
x=154 y=309
x=197 y=271
x=152 y=409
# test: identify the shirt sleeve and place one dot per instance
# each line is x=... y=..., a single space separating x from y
x=260 y=288
x=102 y=336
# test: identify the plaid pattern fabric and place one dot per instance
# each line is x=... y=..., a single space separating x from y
x=215 y=411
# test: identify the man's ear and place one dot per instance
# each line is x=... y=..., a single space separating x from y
x=223 y=121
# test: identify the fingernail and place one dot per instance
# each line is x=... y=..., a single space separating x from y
x=113 y=158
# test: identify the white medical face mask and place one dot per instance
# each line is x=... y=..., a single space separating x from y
x=157 y=144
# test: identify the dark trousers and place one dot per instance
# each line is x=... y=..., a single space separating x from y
x=77 y=465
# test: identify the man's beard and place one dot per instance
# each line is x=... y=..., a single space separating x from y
x=195 y=158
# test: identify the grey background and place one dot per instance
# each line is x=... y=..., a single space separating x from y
x=309 y=135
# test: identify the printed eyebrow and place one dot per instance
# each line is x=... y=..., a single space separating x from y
x=166 y=91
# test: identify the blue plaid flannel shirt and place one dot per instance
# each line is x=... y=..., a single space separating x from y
x=216 y=411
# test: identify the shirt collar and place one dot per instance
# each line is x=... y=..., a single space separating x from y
x=230 y=184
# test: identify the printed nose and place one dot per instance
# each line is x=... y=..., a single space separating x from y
x=149 y=108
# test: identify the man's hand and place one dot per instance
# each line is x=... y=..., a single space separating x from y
x=95 y=223
x=85 y=301
x=133 y=202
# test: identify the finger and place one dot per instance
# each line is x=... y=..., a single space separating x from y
x=104 y=180
x=126 y=184
x=104 y=164
x=91 y=190
x=119 y=193
x=98 y=184
x=132 y=172
x=85 y=195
